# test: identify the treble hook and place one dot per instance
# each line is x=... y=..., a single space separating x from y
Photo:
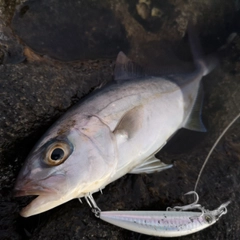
x=193 y=205
x=91 y=202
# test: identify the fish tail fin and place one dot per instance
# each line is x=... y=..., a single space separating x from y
x=205 y=64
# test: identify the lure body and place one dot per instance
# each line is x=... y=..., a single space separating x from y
x=174 y=222
x=160 y=223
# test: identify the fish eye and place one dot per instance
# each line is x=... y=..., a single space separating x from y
x=57 y=153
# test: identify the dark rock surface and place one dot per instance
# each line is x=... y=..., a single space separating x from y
x=35 y=90
x=70 y=31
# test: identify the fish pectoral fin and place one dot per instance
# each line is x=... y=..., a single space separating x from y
x=129 y=124
x=126 y=69
x=194 y=121
x=150 y=166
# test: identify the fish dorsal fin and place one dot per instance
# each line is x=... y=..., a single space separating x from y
x=194 y=121
x=126 y=69
x=129 y=124
x=150 y=166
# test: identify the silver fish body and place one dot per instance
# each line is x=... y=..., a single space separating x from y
x=114 y=131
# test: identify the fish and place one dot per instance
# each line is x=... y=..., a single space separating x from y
x=115 y=130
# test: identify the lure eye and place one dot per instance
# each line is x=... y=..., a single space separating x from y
x=57 y=153
x=208 y=218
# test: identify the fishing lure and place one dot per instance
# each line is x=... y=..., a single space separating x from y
x=174 y=222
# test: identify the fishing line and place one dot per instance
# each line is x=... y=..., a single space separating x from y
x=213 y=147
x=224 y=47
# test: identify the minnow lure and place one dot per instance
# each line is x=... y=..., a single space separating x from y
x=174 y=222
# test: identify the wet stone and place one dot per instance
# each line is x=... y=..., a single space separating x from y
x=69 y=31
x=11 y=51
x=152 y=14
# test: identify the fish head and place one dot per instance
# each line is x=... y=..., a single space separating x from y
x=65 y=167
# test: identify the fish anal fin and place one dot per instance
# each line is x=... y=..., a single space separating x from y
x=126 y=69
x=194 y=121
x=152 y=165
x=130 y=123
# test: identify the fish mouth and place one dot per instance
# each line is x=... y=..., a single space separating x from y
x=40 y=204
x=23 y=193
x=45 y=200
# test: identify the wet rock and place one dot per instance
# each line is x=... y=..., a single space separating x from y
x=72 y=30
x=143 y=10
x=7 y=9
x=11 y=51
